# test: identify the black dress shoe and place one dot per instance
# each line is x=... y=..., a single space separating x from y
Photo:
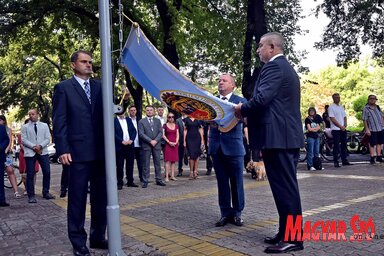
x=4 y=204
x=347 y=163
x=160 y=183
x=119 y=187
x=282 y=247
x=32 y=200
x=209 y=171
x=238 y=221
x=133 y=185
x=272 y=240
x=337 y=165
x=222 y=222
x=82 y=251
x=103 y=244
x=48 y=196
x=63 y=194
x=145 y=185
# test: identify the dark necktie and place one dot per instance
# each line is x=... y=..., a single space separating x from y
x=35 y=128
x=151 y=123
x=87 y=90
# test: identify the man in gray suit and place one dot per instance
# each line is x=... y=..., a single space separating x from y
x=35 y=136
x=150 y=134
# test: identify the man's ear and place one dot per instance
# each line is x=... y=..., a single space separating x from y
x=72 y=65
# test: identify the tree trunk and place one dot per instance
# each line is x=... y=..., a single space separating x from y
x=137 y=94
x=256 y=27
x=169 y=46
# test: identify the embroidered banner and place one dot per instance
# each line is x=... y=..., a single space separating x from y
x=164 y=82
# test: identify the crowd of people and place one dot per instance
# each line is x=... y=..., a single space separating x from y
x=333 y=123
x=270 y=126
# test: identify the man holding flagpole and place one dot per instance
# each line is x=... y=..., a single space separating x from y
x=274 y=121
x=79 y=137
x=228 y=152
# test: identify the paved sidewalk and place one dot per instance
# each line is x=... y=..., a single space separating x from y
x=179 y=219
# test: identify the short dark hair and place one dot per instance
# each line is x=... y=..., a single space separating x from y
x=311 y=108
x=133 y=106
x=149 y=106
x=75 y=55
x=2 y=117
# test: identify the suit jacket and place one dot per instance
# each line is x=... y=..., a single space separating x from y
x=146 y=134
x=78 y=125
x=231 y=143
x=119 y=133
x=30 y=139
x=180 y=123
x=274 y=119
x=4 y=141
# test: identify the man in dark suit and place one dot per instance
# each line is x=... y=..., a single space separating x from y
x=150 y=134
x=79 y=139
x=137 y=148
x=4 y=141
x=125 y=134
x=180 y=123
x=208 y=157
x=274 y=122
x=227 y=151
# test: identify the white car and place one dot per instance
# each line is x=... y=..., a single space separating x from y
x=52 y=153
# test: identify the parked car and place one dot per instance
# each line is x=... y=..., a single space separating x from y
x=52 y=153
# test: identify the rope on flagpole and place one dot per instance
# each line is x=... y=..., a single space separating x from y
x=135 y=24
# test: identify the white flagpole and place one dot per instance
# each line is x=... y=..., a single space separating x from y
x=113 y=209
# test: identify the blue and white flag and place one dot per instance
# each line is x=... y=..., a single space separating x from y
x=164 y=82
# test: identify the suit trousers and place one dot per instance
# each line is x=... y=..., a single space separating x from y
x=45 y=168
x=2 y=191
x=280 y=165
x=229 y=175
x=125 y=154
x=64 y=178
x=139 y=161
x=80 y=173
x=181 y=156
x=208 y=163
x=156 y=162
x=339 y=145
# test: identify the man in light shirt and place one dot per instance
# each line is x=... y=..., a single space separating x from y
x=125 y=133
x=339 y=130
x=137 y=148
x=160 y=115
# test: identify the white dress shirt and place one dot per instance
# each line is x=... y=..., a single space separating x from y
x=136 y=141
x=124 y=127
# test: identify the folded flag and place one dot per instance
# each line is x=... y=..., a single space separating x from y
x=164 y=82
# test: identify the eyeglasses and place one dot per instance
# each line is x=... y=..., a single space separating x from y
x=169 y=117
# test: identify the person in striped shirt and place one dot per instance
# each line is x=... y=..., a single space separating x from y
x=373 y=123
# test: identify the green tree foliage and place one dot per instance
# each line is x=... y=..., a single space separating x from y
x=358 y=105
x=34 y=56
x=352 y=23
x=204 y=37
